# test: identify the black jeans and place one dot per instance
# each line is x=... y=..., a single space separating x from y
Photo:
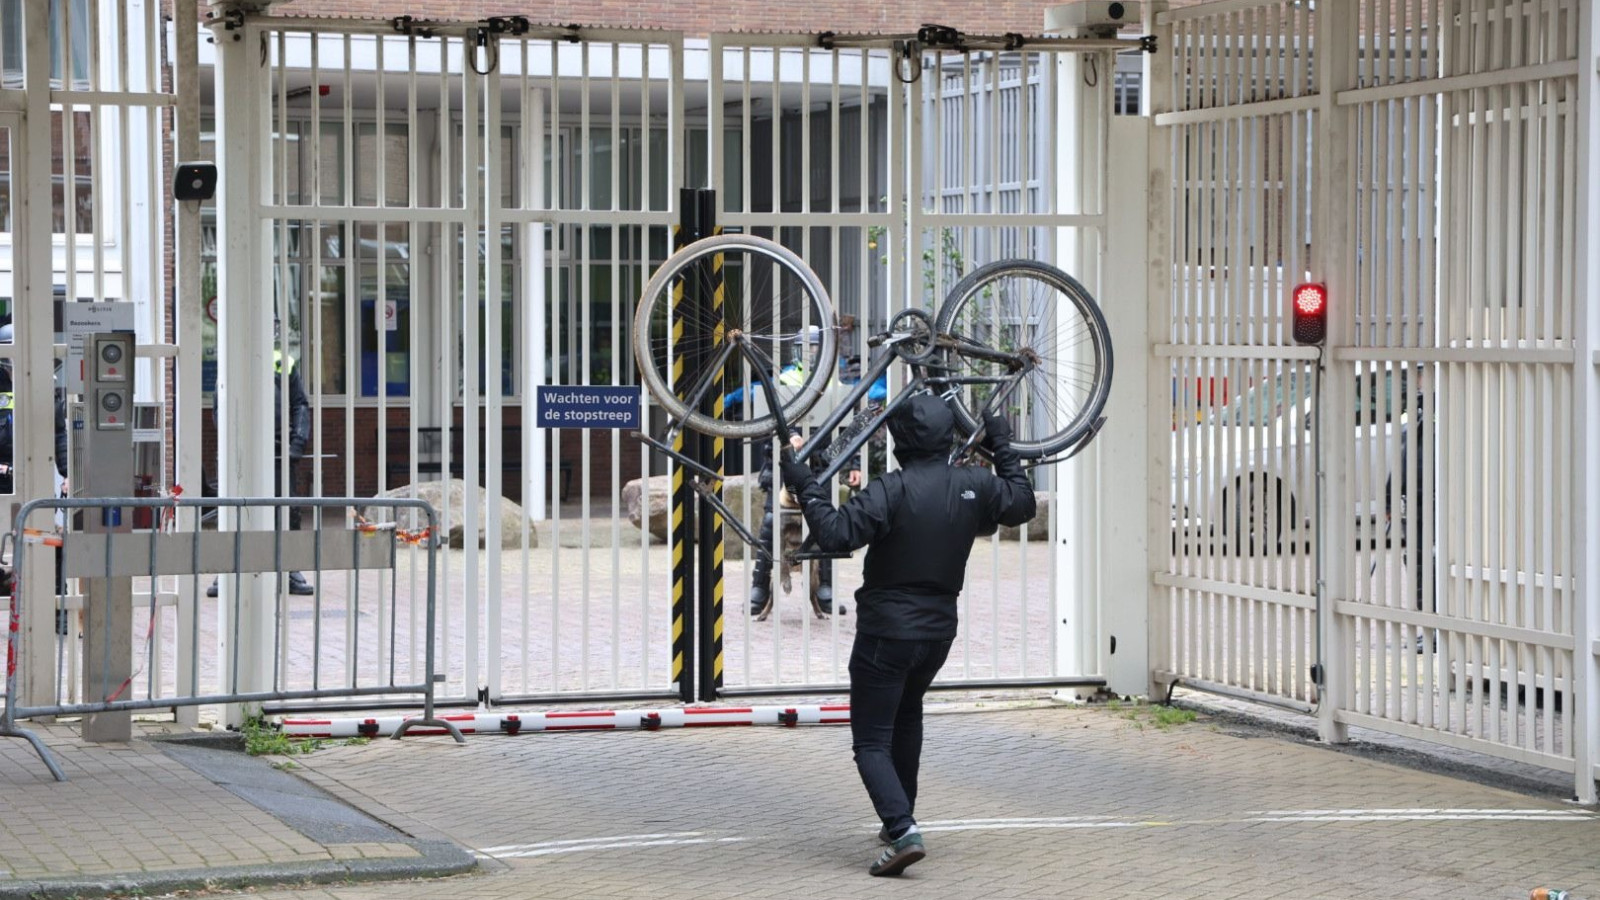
x=888 y=679
x=294 y=484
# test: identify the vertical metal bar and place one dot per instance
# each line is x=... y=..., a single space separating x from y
x=530 y=182
x=583 y=254
x=558 y=330
x=635 y=271
x=471 y=341
x=416 y=411
x=494 y=367
x=351 y=261
x=1582 y=226
x=618 y=203
x=444 y=347
x=746 y=134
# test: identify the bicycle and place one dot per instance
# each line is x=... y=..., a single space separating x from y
x=1016 y=336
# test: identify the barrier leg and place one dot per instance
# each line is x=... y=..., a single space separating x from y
x=10 y=730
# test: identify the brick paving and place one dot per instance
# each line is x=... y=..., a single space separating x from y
x=1042 y=801
x=1047 y=802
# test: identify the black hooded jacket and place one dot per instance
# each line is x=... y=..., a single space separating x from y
x=918 y=523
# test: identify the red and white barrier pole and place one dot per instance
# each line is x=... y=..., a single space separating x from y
x=578 y=720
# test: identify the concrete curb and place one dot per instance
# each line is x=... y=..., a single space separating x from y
x=438 y=859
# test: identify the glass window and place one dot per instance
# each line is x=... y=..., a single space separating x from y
x=387 y=161
x=72 y=173
x=329 y=343
x=5 y=180
x=385 y=293
x=13 y=28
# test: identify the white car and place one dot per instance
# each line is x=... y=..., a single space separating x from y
x=1244 y=473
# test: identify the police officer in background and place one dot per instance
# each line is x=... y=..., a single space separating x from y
x=8 y=420
x=299 y=438
x=794 y=375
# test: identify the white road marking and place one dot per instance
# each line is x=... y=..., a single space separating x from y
x=1424 y=815
x=1483 y=816
x=604 y=840
x=1282 y=815
x=620 y=842
x=1514 y=813
x=999 y=825
x=1285 y=816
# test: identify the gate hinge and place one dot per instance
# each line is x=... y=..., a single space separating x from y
x=512 y=25
x=1316 y=674
x=410 y=26
x=1147 y=43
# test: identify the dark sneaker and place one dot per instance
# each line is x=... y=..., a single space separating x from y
x=898 y=855
x=299 y=586
x=760 y=600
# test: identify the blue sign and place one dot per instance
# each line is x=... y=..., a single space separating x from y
x=585 y=406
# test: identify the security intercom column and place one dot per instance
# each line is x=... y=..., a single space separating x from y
x=103 y=463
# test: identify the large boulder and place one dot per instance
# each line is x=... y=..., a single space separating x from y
x=435 y=493
x=647 y=503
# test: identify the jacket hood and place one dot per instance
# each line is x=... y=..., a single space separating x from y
x=922 y=427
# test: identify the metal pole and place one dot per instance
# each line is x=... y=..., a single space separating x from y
x=1586 y=438
x=710 y=534
x=683 y=502
x=244 y=338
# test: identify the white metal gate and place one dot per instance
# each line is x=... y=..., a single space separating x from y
x=893 y=177
x=471 y=220
x=1424 y=168
x=85 y=117
x=391 y=149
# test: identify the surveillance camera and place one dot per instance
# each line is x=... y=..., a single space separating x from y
x=1096 y=18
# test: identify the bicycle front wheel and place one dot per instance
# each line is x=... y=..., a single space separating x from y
x=701 y=358
x=1037 y=311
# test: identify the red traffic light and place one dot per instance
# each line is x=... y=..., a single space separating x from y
x=1308 y=309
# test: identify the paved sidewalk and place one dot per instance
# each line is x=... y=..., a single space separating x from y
x=153 y=816
x=1034 y=802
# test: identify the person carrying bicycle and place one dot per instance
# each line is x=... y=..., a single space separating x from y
x=918 y=524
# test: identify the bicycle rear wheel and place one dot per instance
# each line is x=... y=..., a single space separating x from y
x=1033 y=309
x=687 y=355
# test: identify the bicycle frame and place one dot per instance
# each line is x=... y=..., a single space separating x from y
x=761 y=364
x=822 y=433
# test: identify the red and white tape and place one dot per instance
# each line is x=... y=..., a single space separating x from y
x=577 y=720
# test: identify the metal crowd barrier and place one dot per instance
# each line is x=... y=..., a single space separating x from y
x=347 y=639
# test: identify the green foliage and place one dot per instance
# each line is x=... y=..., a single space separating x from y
x=1141 y=714
x=264 y=738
